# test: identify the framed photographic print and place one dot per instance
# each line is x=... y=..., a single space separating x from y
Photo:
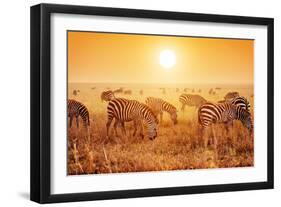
x=133 y=103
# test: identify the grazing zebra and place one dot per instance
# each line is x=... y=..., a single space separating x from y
x=210 y=113
x=76 y=109
x=158 y=105
x=119 y=90
x=163 y=90
x=107 y=95
x=231 y=95
x=191 y=100
x=124 y=110
x=127 y=92
x=75 y=92
x=239 y=101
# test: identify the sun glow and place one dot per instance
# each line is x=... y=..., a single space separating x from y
x=167 y=59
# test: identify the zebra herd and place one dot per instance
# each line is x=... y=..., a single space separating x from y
x=124 y=110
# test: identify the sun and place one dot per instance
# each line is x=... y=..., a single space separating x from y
x=167 y=58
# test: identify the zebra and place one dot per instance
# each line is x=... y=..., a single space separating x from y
x=239 y=101
x=124 y=110
x=119 y=90
x=210 y=113
x=75 y=92
x=76 y=109
x=158 y=105
x=191 y=100
x=127 y=92
x=107 y=95
x=231 y=95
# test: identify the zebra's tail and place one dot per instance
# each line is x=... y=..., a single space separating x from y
x=199 y=119
x=88 y=119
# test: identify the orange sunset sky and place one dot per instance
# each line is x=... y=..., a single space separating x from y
x=128 y=58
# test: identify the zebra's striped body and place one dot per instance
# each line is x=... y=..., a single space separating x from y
x=210 y=113
x=158 y=106
x=76 y=109
x=239 y=101
x=191 y=100
x=107 y=95
x=124 y=110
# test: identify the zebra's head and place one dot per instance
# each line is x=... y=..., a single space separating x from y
x=152 y=130
x=246 y=119
x=174 y=116
x=107 y=96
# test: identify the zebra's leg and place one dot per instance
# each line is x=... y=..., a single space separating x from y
x=135 y=127
x=108 y=125
x=205 y=138
x=141 y=128
x=215 y=141
x=161 y=116
x=70 y=121
x=77 y=122
x=182 y=108
x=123 y=128
x=230 y=131
x=215 y=144
x=115 y=127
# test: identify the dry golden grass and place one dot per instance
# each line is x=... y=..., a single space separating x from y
x=176 y=147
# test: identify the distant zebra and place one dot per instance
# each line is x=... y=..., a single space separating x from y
x=127 y=92
x=107 y=95
x=210 y=113
x=158 y=106
x=124 y=110
x=191 y=100
x=119 y=90
x=76 y=109
x=75 y=92
x=163 y=90
x=231 y=95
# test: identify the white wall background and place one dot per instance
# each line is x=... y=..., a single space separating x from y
x=14 y=104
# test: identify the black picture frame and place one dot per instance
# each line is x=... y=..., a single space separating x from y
x=41 y=96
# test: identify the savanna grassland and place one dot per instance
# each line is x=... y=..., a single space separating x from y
x=176 y=147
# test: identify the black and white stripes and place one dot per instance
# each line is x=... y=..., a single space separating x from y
x=77 y=109
x=107 y=95
x=191 y=100
x=124 y=110
x=210 y=113
x=158 y=106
